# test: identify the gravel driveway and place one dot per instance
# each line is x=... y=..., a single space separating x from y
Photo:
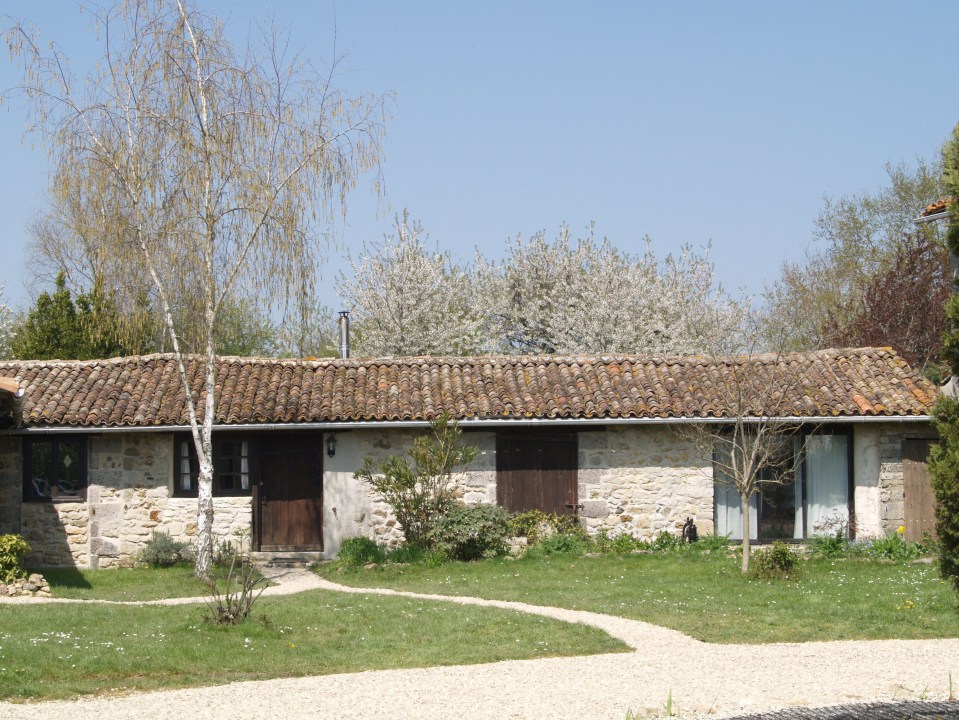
x=703 y=680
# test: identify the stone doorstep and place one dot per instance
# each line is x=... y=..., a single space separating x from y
x=287 y=558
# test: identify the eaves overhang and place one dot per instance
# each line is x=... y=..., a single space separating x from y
x=475 y=424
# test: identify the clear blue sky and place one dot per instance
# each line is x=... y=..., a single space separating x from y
x=688 y=121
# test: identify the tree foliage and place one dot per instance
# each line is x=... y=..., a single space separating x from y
x=586 y=296
x=420 y=487
x=408 y=300
x=545 y=297
x=61 y=327
x=944 y=456
x=214 y=166
x=857 y=239
x=904 y=306
x=6 y=326
x=309 y=332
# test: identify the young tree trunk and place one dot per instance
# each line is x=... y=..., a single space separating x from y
x=747 y=531
x=204 y=525
x=204 y=520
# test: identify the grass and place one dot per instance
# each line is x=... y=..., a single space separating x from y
x=130 y=584
x=705 y=597
x=61 y=651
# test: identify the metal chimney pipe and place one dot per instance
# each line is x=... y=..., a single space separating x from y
x=344 y=323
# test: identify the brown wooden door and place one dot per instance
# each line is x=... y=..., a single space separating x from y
x=919 y=502
x=537 y=471
x=290 y=492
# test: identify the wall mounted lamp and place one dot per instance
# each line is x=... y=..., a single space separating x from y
x=331 y=444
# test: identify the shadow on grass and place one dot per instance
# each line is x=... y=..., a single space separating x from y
x=64 y=578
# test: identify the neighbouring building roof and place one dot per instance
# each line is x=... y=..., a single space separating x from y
x=937 y=207
x=145 y=391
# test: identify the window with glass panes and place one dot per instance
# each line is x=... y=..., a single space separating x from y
x=231 y=465
x=54 y=468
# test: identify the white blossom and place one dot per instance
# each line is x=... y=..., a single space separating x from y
x=407 y=300
x=588 y=297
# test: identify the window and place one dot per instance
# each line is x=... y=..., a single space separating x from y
x=231 y=465
x=55 y=468
x=812 y=499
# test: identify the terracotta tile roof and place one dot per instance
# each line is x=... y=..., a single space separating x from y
x=937 y=207
x=144 y=391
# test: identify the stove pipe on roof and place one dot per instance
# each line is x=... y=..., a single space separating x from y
x=344 y=323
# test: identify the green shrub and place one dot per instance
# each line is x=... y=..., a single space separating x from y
x=232 y=597
x=776 y=561
x=161 y=550
x=536 y=524
x=559 y=544
x=471 y=532
x=360 y=550
x=711 y=543
x=13 y=548
x=420 y=487
x=893 y=547
x=407 y=554
x=944 y=476
x=828 y=546
x=666 y=541
x=620 y=543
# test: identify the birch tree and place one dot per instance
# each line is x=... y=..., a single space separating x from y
x=222 y=161
x=409 y=300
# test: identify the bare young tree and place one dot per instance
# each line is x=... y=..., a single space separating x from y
x=751 y=441
x=220 y=162
x=408 y=300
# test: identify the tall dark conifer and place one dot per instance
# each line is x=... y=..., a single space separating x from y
x=944 y=457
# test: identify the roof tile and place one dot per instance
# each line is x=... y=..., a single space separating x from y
x=145 y=391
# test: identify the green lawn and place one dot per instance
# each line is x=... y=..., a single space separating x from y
x=705 y=597
x=50 y=651
x=131 y=584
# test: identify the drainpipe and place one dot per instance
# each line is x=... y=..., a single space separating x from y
x=344 y=323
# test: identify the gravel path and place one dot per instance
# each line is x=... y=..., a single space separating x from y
x=703 y=680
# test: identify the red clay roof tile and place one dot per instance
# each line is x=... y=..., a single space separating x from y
x=145 y=391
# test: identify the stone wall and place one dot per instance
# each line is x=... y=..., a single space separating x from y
x=130 y=478
x=638 y=480
x=890 y=482
x=477 y=485
x=877 y=461
x=642 y=480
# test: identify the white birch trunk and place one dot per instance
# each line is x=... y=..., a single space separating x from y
x=204 y=518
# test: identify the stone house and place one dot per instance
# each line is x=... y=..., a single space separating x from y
x=96 y=455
